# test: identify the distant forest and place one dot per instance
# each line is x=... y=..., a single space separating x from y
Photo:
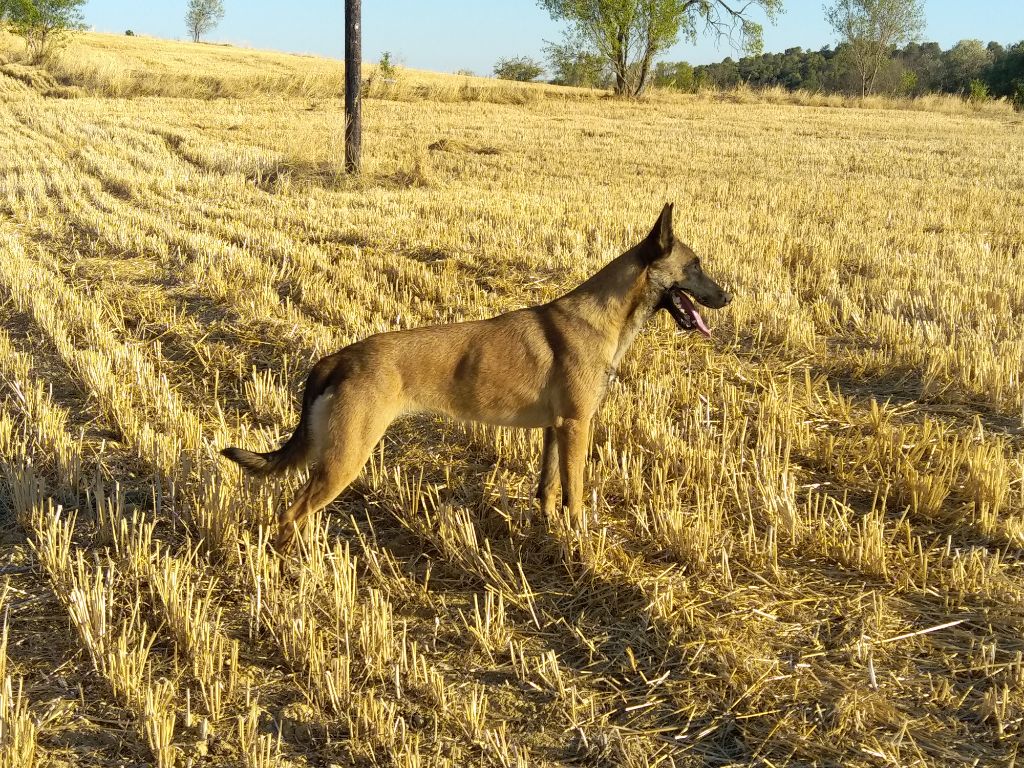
x=970 y=67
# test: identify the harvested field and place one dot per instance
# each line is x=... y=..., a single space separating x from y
x=806 y=535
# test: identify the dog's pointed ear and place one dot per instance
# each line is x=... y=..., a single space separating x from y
x=659 y=242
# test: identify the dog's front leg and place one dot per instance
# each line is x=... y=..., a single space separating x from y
x=549 y=488
x=573 y=435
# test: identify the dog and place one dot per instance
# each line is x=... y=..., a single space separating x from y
x=544 y=367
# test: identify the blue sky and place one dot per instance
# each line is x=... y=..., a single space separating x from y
x=446 y=35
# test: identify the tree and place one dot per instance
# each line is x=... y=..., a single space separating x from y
x=678 y=75
x=202 y=16
x=925 y=61
x=817 y=70
x=572 y=66
x=724 y=74
x=42 y=22
x=628 y=34
x=965 y=62
x=521 y=68
x=871 y=28
x=1006 y=74
x=386 y=68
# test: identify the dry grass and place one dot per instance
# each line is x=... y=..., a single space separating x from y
x=944 y=103
x=805 y=537
x=126 y=67
x=119 y=66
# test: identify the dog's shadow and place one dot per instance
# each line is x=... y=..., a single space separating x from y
x=600 y=626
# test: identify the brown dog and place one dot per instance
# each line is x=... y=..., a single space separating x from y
x=541 y=367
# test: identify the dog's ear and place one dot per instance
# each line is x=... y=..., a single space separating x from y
x=659 y=242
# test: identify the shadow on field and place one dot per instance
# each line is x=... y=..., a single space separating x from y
x=877 y=683
x=600 y=626
x=905 y=387
x=602 y=629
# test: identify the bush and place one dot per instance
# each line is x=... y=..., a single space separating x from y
x=43 y=23
x=129 y=33
x=978 y=92
x=521 y=68
x=1018 y=96
x=908 y=83
x=678 y=75
x=571 y=66
x=385 y=67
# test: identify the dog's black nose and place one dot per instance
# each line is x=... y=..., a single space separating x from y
x=726 y=298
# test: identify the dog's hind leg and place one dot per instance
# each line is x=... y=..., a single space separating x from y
x=286 y=526
x=347 y=439
x=325 y=485
x=549 y=487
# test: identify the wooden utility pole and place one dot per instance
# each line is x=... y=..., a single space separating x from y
x=353 y=87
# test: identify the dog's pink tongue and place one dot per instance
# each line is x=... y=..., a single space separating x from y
x=701 y=325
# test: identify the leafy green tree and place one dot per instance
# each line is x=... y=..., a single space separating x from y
x=817 y=70
x=791 y=69
x=678 y=75
x=573 y=66
x=202 y=16
x=43 y=23
x=1005 y=76
x=871 y=28
x=916 y=69
x=925 y=61
x=521 y=68
x=386 y=68
x=724 y=74
x=977 y=92
x=908 y=83
x=890 y=77
x=629 y=34
x=965 y=62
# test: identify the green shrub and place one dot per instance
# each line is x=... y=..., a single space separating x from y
x=978 y=93
x=522 y=68
x=385 y=67
x=908 y=83
x=44 y=25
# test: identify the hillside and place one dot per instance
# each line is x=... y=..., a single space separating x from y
x=128 y=66
x=804 y=538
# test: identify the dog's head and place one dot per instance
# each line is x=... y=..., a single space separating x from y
x=674 y=271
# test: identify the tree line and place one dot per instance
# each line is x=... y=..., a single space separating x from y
x=615 y=44
x=970 y=67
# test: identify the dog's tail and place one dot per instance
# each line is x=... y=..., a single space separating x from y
x=294 y=452
x=289 y=455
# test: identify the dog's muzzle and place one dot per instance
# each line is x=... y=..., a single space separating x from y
x=684 y=311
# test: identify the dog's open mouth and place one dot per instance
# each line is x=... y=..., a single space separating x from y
x=685 y=313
